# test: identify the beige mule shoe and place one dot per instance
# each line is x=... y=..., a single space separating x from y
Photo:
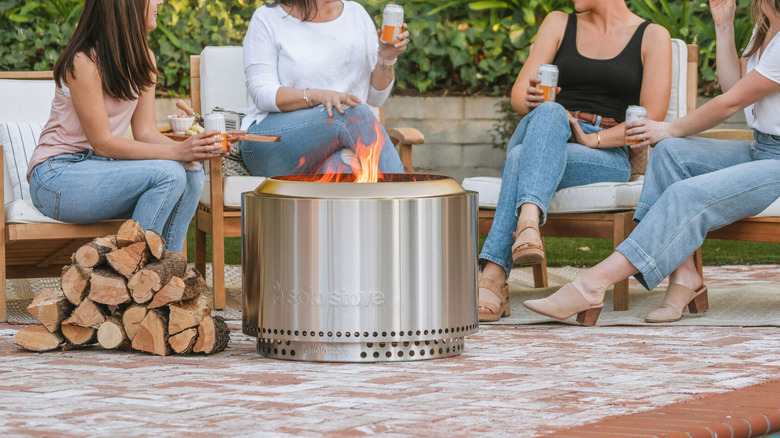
x=565 y=303
x=676 y=298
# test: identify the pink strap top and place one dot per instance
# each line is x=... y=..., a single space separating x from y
x=63 y=134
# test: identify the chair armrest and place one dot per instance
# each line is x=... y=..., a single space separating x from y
x=404 y=138
x=726 y=134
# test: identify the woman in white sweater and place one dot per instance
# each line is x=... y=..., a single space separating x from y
x=310 y=67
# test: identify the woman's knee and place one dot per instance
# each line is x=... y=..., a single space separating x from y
x=553 y=111
x=362 y=112
x=168 y=173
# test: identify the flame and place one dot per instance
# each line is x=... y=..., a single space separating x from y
x=364 y=163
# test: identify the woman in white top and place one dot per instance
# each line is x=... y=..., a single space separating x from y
x=310 y=67
x=694 y=185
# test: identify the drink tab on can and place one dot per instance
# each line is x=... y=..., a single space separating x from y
x=548 y=75
x=634 y=113
x=392 y=22
x=216 y=122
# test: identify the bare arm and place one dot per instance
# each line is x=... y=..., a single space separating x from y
x=88 y=100
x=548 y=39
x=750 y=89
x=728 y=64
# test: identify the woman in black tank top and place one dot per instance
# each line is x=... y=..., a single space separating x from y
x=608 y=58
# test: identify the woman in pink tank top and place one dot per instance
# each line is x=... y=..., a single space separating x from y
x=84 y=169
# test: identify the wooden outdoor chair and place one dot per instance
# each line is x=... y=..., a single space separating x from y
x=33 y=245
x=602 y=210
x=218 y=80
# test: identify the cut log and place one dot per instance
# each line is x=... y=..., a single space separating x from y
x=108 y=288
x=128 y=260
x=155 y=275
x=188 y=314
x=75 y=283
x=183 y=342
x=129 y=233
x=180 y=289
x=94 y=253
x=78 y=336
x=132 y=318
x=38 y=338
x=152 y=334
x=213 y=335
x=156 y=244
x=111 y=334
x=50 y=307
x=88 y=314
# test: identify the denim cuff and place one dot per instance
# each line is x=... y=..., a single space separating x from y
x=484 y=258
x=533 y=200
x=641 y=211
x=648 y=275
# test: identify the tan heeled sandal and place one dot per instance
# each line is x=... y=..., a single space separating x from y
x=495 y=311
x=676 y=298
x=529 y=252
x=565 y=303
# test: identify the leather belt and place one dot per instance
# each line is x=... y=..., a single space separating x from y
x=590 y=118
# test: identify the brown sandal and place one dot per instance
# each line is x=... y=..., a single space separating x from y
x=529 y=252
x=496 y=311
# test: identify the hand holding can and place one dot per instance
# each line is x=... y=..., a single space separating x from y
x=216 y=122
x=548 y=77
x=634 y=113
x=392 y=22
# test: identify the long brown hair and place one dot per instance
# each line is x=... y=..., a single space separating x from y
x=112 y=33
x=762 y=21
x=306 y=8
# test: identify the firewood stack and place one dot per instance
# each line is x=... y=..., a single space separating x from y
x=126 y=292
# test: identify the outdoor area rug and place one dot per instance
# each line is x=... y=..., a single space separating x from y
x=738 y=296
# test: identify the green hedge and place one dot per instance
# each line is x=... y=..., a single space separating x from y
x=457 y=46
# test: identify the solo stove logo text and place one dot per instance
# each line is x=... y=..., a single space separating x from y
x=341 y=298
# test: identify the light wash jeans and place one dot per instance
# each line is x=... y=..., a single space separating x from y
x=539 y=161
x=84 y=188
x=312 y=142
x=692 y=186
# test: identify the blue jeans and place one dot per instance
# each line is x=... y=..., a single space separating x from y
x=84 y=188
x=312 y=142
x=692 y=186
x=540 y=160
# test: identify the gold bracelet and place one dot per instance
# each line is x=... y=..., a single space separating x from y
x=598 y=140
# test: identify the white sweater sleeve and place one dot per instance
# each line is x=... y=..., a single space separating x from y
x=260 y=58
x=375 y=97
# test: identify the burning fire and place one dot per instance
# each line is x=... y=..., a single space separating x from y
x=364 y=163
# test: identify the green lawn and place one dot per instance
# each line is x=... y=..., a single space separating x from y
x=582 y=252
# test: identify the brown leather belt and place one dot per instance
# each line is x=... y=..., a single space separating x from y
x=590 y=118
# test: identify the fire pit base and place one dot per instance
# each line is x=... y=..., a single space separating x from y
x=360 y=351
x=346 y=272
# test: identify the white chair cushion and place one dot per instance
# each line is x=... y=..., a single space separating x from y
x=580 y=199
x=233 y=187
x=772 y=210
x=677 y=99
x=26 y=100
x=21 y=211
x=222 y=79
x=19 y=140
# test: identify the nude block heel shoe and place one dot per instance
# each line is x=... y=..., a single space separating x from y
x=530 y=252
x=565 y=303
x=494 y=311
x=676 y=298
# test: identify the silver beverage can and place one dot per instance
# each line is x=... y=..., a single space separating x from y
x=634 y=113
x=216 y=122
x=392 y=22
x=548 y=75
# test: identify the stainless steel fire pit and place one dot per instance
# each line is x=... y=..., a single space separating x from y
x=350 y=272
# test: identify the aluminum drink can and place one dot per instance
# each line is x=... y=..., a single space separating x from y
x=634 y=113
x=548 y=75
x=392 y=22
x=216 y=122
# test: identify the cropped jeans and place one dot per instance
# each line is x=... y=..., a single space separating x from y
x=540 y=160
x=312 y=142
x=693 y=186
x=84 y=188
